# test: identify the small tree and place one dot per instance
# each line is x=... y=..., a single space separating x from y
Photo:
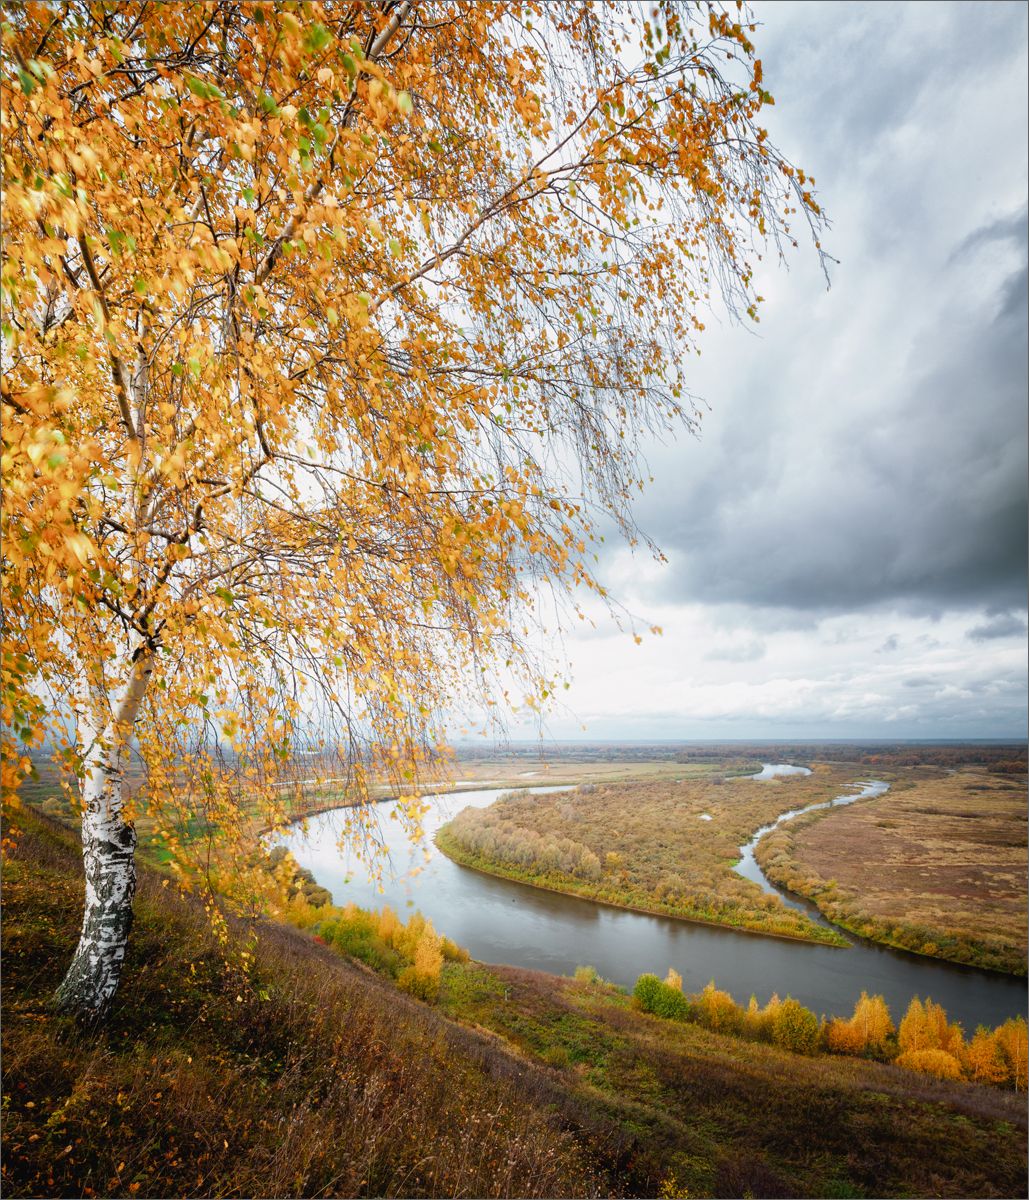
x=1012 y=1039
x=330 y=331
x=983 y=1058
x=925 y=1027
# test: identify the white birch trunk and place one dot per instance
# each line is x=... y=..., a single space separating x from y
x=108 y=851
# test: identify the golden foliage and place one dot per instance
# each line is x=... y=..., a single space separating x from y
x=1012 y=1040
x=251 y=367
x=866 y=1030
x=925 y=1027
x=931 y=1061
x=983 y=1058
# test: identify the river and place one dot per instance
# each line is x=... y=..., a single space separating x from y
x=500 y=921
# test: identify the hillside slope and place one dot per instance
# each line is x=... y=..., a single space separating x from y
x=311 y=1076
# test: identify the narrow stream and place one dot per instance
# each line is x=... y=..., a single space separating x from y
x=500 y=921
x=748 y=865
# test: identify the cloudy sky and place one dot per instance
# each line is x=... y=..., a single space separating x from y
x=846 y=541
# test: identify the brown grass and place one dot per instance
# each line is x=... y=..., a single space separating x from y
x=938 y=866
x=304 y=1078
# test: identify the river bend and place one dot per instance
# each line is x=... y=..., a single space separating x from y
x=500 y=921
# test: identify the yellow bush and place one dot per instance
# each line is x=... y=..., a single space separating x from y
x=757 y=1022
x=389 y=923
x=674 y=979
x=842 y=1037
x=869 y=1027
x=717 y=1010
x=872 y=1021
x=452 y=952
x=925 y=1027
x=931 y=1062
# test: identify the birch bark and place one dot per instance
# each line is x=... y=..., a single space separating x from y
x=108 y=850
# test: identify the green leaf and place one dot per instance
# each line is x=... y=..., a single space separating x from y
x=405 y=103
x=28 y=84
x=316 y=38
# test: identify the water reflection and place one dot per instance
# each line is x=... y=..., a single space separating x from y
x=504 y=922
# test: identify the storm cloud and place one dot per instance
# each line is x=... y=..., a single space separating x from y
x=868 y=446
x=846 y=541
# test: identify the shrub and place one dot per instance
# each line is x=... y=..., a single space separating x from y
x=452 y=952
x=984 y=1060
x=925 y=1027
x=842 y=1037
x=556 y=1056
x=673 y=1005
x=646 y=990
x=795 y=1027
x=588 y=975
x=674 y=979
x=931 y=1062
x=756 y=1024
x=868 y=1031
x=659 y=998
x=717 y=1010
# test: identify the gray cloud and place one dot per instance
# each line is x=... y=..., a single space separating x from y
x=860 y=481
x=1004 y=626
x=870 y=451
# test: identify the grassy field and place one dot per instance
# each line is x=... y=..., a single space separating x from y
x=307 y=1075
x=937 y=865
x=665 y=846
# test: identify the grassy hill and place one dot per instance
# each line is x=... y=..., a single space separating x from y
x=308 y=1076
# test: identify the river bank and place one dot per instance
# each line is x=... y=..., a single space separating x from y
x=502 y=921
x=564 y=886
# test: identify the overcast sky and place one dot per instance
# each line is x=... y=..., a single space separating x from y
x=846 y=541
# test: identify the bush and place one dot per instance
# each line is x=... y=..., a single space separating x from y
x=716 y=1010
x=931 y=1062
x=587 y=975
x=646 y=990
x=795 y=1027
x=659 y=998
x=452 y=952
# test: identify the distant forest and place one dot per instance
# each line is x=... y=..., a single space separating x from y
x=1004 y=758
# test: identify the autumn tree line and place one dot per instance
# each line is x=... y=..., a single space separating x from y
x=925 y=1040
x=413 y=954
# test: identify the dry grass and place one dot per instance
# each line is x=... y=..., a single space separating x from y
x=938 y=866
x=723 y=1117
x=306 y=1078
x=313 y=1078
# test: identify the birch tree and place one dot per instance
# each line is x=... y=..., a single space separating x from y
x=330 y=331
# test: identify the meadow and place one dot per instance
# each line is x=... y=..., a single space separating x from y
x=665 y=846
x=936 y=866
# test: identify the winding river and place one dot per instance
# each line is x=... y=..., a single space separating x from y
x=501 y=921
